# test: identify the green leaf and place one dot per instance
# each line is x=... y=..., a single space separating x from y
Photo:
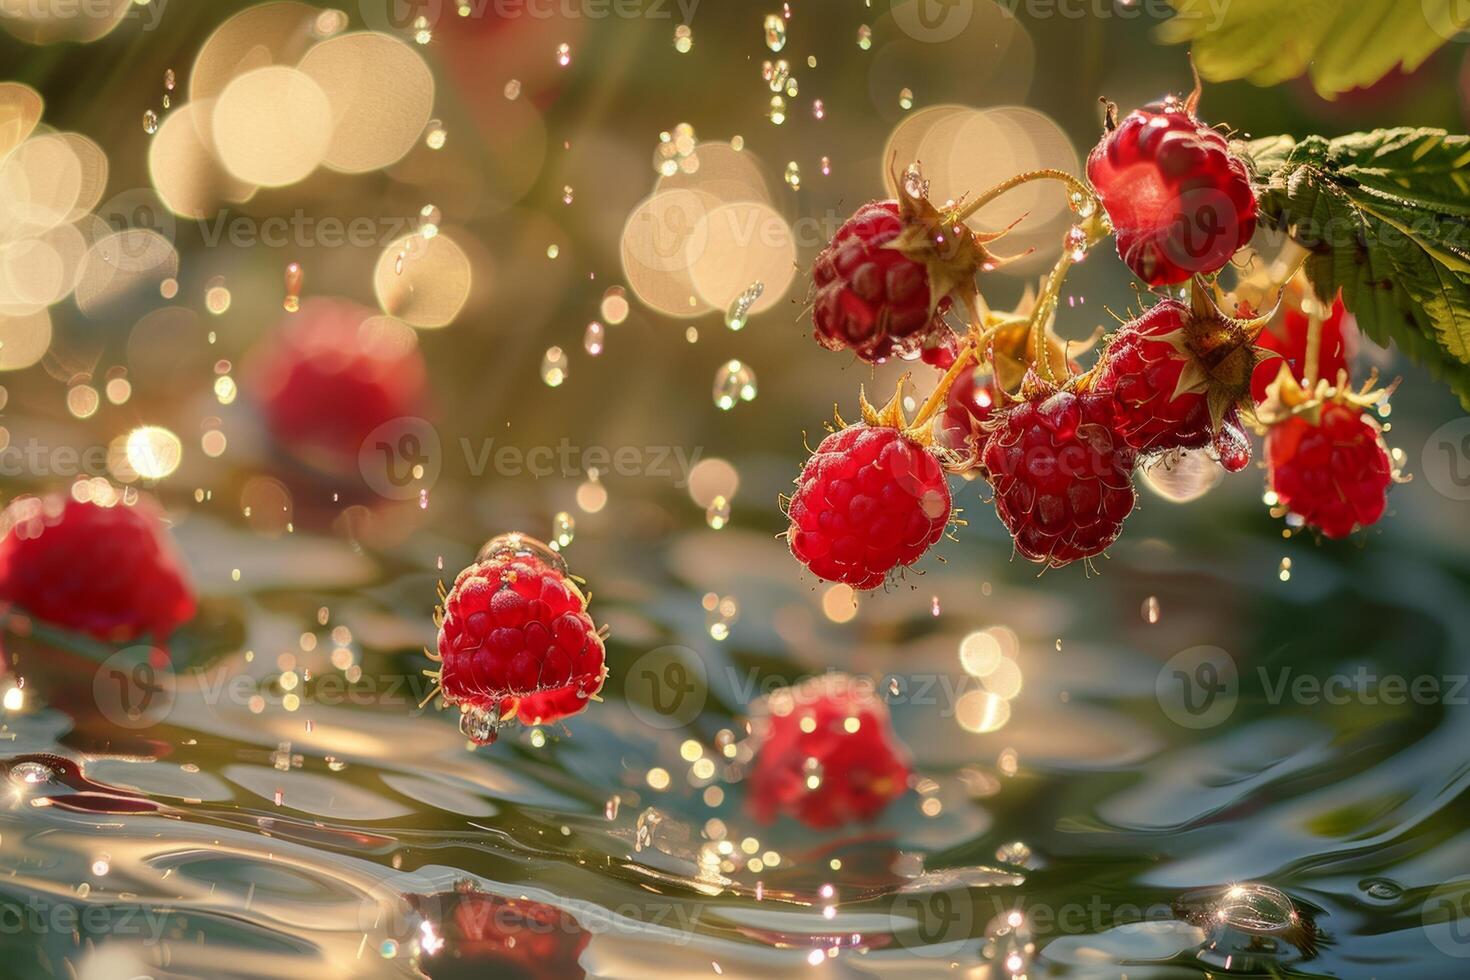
x=1343 y=44
x=1385 y=217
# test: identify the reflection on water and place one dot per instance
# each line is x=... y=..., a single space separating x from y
x=276 y=803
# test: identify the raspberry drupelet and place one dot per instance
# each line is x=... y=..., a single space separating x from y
x=515 y=640
x=1180 y=200
x=825 y=754
x=97 y=566
x=1062 y=474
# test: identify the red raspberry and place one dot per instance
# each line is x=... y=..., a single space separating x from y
x=102 y=568
x=1170 y=370
x=515 y=640
x=872 y=299
x=1180 y=201
x=333 y=373
x=498 y=936
x=1061 y=472
x=1289 y=339
x=870 y=500
x=972 y=400
x=1335 y=472
x=825 y=754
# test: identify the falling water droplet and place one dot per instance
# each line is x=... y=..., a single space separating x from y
x=934 y=609
x=169 y=80
x=567 y=194
x=793 y=175
x=429 y=218
x=436 y=135
x=738 y=313
x=775 y=27
x=150 y=122
x=563 y=528
x=595 y=338
x=422 y=33
x=563 y=54
x=294 y=278
x=734 y=383
x=1076 y=244
x=905 y=98
x=1284 y=570
x=513 y=89
x=865 y=37
x=819 y=110
x=1151 y=609
x=718 y=513
x=826 y=167
x=777 y=113
x=683 y=38
x=554 y=367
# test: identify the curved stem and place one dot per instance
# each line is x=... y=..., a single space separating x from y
x=937 y=397
x=1094 y=229
x=1074 y=186
x=1314 y=351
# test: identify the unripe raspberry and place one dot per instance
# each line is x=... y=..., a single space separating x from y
x=1331 y=468
x=825 y=754
x=99 y=567
x=1180 y=200
x=1062 y=473
x=869 y=500
x=515 y=640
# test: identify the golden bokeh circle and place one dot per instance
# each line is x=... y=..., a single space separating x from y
x=272 y=126
x=381 y=94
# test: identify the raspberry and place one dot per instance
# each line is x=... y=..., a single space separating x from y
x=825 y=754
x=1334 y=471
x=1177 y=375
x=869 y=500
x=1180 y=201
x=98 y=567
x=498 y=936
x=332 y=374
x=972 y=400
x=1062 y=474
x=515 y=640
x=1289 y=339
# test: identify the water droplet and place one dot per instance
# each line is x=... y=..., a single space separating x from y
x=554 y=367
x=567 y=193
x=563 y=528
x=775 y=27
x=295 y=276
x=905 y=98
x=734 y=383
x=721 y=612
x=934 y=609
x=553 y=250
x=914 y=184
x=435 y=136
x=610 y=809
x=150 y=122
x=1382 y=889
x=1151 y=609
x=513 y=89
x=819 y=110
x=738 y=313
x=31 y=773
x=865 y=37
x=1075 y=244
x=169 y=80
x=683 y=38
x=563 y=54
x=429 y=218
x=595 y=338
x=826 y=166
x=422 y=34
x=717 y=515
x=1014 y=852
x=776 y=73
x=1284 y=570
x=793 y=175
x=1083 y=205
x=777 y=112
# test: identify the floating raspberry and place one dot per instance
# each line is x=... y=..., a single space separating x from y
x=97 y=566
x=1288 y=338
x=1179 y=375
x=873 y=497
x=1180 y=201
x=330 y=375
x=1325 y=455
x=515 y=640
x=1062 y=474
x=892 y=269
x=499 y=936
x=825 y=754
